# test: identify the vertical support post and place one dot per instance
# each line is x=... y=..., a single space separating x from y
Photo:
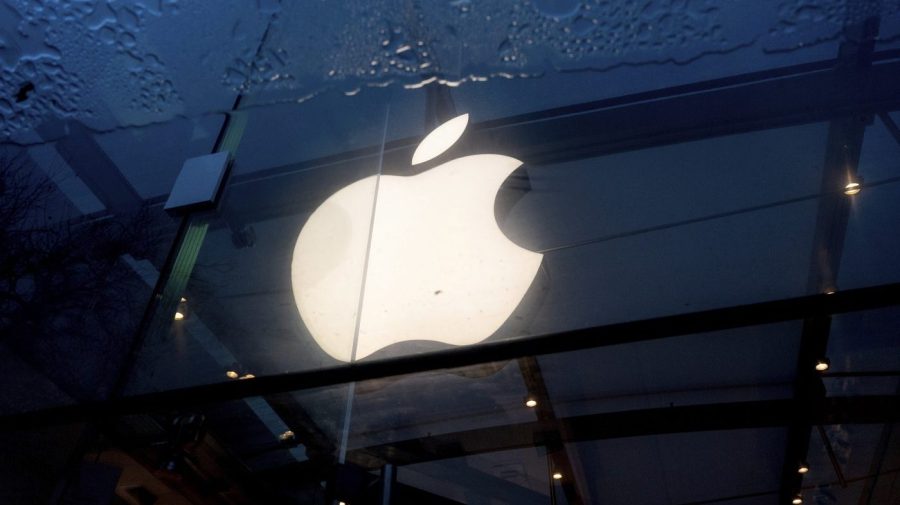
x=842 y=152
x=388 y=478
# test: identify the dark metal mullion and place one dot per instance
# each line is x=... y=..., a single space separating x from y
x=842 y=152
x=557 y=455
x=808 y=391
x=831 y=456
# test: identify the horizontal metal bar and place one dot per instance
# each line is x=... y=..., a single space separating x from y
x=681 y=419
x=573 y=340
x=863 y=373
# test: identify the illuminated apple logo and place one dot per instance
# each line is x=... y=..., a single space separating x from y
x=416 y=258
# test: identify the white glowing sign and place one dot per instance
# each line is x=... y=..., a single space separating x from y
x=436 y=265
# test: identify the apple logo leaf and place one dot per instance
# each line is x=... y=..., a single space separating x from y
x=441 y=139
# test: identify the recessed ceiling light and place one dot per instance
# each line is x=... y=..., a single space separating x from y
x=822 y=364
x=183 y=299
x=231 y=374
x=179 y=316
x=247 y=376
x=286 y=436
x=797 y=500
x=557 y=476
x=852 y=188
x=531 y=403
x=803 y=468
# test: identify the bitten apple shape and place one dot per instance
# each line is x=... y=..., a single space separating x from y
x=436 y=265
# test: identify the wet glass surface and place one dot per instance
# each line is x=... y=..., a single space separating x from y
x=113 y=65
x=641 y=200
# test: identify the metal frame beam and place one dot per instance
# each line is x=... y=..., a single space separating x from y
x=634 y=423
x=842 y=151
x=573 y=340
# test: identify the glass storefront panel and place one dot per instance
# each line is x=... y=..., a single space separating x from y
x=433 y=184
x=279 y=277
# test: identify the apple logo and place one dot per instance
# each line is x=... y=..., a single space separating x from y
x=415 y=257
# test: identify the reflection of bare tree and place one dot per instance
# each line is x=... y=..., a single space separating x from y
x=68 y=303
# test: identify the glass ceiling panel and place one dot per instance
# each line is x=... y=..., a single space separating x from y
x=871 y=248
x=865 y=341
x=864 y=352
x=433 y=428
x=542 y=45
x=686 y=467
x=867 y=458
x=515 y=476
x=749 y=364
x=488 y=408
x=621 y=237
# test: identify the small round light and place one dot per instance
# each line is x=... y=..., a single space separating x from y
x=531 y=403
x=797 y=500
x=179 y=316
x=822 y=364
x=231 y=374
x=286 y=436
x=183 y=299
x=557 y=476
x=830 y=292
x=852 y=188
x=247 y=376
x=803 y=468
